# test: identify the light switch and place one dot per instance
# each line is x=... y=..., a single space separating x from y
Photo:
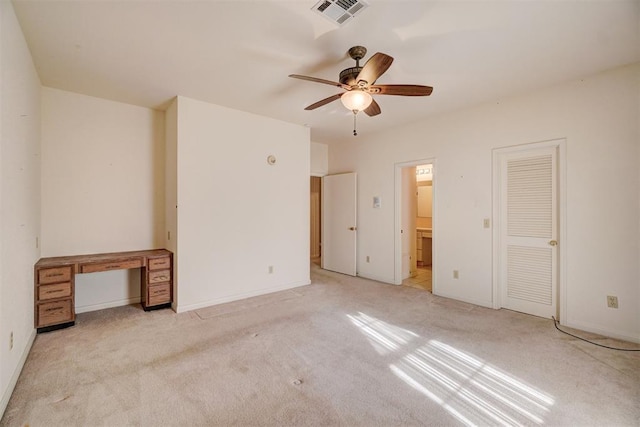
x=376 y=202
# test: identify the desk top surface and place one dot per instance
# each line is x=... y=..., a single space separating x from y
x=104 y=257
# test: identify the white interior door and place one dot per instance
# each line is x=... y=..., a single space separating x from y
x=528 y=227
x=339 y=223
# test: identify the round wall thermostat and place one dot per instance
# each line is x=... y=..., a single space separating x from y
x=271 y=159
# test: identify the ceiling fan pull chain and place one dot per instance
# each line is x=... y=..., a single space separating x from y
x=354 y=123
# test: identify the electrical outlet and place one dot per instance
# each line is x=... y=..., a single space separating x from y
x=11 y=341
x=271 y=269
x=612 y=301
x=367 y=258
x=456 y=274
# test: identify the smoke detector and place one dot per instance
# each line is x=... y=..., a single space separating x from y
x=339 y=11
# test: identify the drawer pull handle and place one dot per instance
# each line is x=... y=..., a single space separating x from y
x=54 y=274
x=53 y=291
x=54 y=308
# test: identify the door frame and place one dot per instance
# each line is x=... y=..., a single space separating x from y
x=560 y=145
x=397 y=240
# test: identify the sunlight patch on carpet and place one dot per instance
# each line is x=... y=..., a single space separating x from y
x=384 y=337
x=468 y=388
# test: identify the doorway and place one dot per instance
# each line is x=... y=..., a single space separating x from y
x=315 y=220
x=415 y=219
x=422 y=278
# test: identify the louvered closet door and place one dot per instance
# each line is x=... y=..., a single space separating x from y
x=529 y=251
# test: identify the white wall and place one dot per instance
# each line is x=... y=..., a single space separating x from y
x=19 y=197
x=319 y=159
x=597 y=115
x=102 y=187
x=238 y=215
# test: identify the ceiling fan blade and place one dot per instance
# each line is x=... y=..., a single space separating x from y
x=317 y=80
x=324 y=101
x=404 y=90
x=374 y=68
x=373 y=109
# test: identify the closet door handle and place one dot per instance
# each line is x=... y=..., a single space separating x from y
x=553 y=242
x=352 y=228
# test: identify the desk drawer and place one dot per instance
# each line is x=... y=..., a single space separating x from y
x=159 y=294
x=159 y=263
x=54 y=275
x=111 y=265
x=159 y=276
x=59 y=290
x=50 y=313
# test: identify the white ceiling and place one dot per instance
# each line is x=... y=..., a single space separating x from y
x=239 y=53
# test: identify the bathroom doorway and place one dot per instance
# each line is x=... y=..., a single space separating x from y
x=414 y=234
x=421 y=279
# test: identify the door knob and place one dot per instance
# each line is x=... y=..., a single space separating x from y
x=553 y=242
x=352 y=228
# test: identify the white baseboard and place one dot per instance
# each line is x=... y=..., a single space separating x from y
x=110 y=304
x=624 y=336
x=16 y=373
x=386 y=280
x=236 y=297
x=487 y=304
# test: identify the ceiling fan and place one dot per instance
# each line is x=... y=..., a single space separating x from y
x=359 y=84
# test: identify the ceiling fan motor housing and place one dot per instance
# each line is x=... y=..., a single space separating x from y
x=348 y=75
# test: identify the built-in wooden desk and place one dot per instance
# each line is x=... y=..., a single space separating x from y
x=54 y=280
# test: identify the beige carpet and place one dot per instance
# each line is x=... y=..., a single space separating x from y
x=342 y=351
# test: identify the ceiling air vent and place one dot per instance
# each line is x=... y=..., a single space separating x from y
x=339 y=11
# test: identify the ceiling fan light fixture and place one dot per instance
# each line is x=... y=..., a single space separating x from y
x=356 y=100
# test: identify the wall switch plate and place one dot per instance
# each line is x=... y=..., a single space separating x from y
x=11 y=341
x=367 y=258
x=487 y=223
x=271 y=269
x=456 y=274
x=612 y=301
